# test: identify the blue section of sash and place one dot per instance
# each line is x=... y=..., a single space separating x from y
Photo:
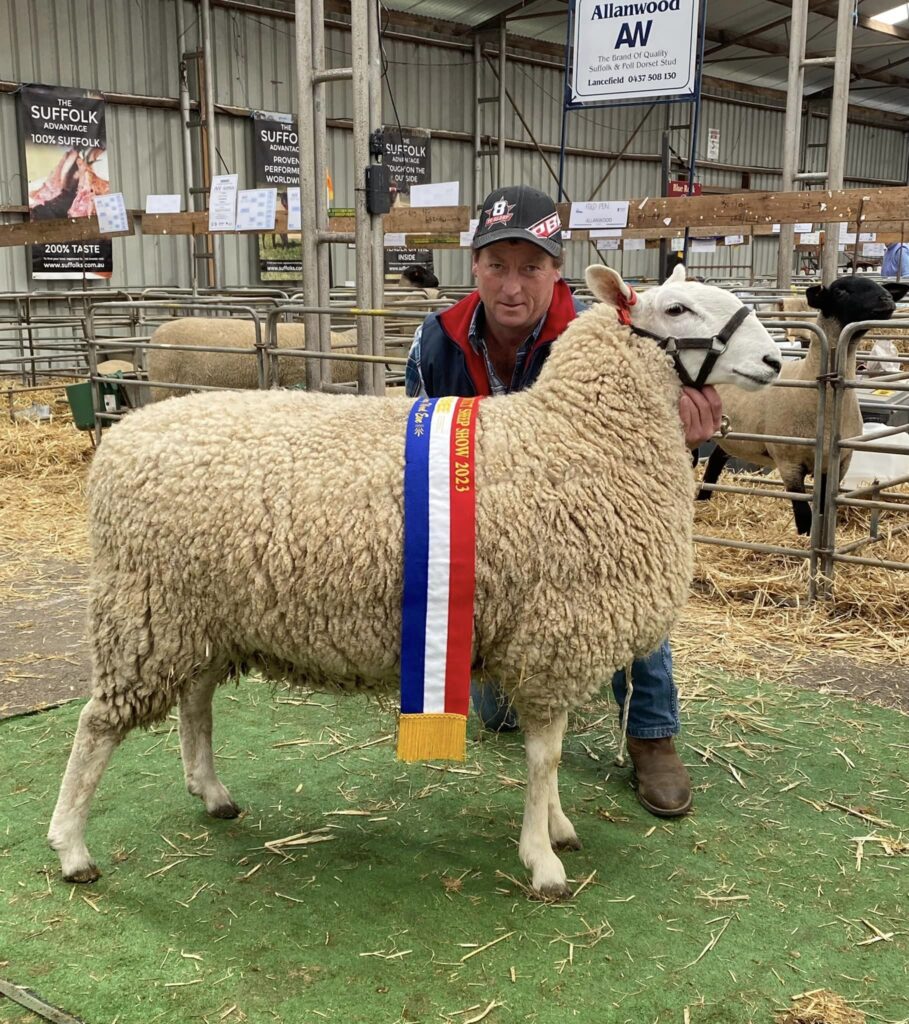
x=416 y=555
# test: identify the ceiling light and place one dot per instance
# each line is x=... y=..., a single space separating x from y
x=894 y=15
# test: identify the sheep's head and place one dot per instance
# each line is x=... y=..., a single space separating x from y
x=682 y=309
x=851 y=299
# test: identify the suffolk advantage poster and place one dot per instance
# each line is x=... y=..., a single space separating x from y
x=64 y=138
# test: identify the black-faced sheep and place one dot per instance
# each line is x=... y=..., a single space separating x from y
x=792 y=412
x=265 y=528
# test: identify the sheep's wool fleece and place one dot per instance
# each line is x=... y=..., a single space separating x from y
x=223 y=369
x=266 y=528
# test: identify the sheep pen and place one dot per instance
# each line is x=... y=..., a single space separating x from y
x=267 y=531
x=222 y=369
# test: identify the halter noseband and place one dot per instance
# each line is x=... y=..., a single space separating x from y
x=714 y=346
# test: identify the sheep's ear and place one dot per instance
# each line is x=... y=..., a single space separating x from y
x=815 y=296
x=607 y=285
x=679 y=274
x=897 y=289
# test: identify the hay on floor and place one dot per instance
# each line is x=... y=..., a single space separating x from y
x=820 y=1007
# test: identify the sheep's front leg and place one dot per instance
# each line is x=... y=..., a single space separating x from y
x=196 y=749
x=93 y=745
x=543 y=743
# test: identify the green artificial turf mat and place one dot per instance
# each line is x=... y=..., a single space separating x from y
x=768 y=890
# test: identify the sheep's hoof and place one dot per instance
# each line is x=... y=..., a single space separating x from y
x=554 y=891
x=568 y=844
x=226 y=811
x=84 y=875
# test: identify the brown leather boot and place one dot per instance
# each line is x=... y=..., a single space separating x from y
x=661 y=780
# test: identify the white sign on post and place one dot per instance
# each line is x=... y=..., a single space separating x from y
x=111 y=213
x=599 y=215
x=607 y=244
x=222 y=202
x=632 y=244
x=294 y=214
x=627 y=52
x=437 y=193
x=735 y=239
x=713 y=144
x=169 y=203
x=256 y=209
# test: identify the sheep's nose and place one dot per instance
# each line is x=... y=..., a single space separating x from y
x=774 y=362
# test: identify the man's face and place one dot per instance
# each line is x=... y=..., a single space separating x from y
x=515 y=281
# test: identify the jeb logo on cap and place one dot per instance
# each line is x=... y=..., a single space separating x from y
x=500 y=212
x=547 y=227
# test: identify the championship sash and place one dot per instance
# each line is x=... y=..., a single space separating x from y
x=439 y=578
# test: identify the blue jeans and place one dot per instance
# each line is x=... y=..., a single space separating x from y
x=654 y=711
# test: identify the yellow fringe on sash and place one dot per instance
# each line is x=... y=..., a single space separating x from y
x=435 y=737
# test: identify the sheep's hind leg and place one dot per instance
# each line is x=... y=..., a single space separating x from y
x=543 y=743
x=196 y=748
x=715 y=465
x=562 y=835
x=93 y=745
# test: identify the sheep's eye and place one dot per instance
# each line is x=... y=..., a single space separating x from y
x=676 y=310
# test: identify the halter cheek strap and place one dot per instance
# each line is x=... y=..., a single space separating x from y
x=714 y=347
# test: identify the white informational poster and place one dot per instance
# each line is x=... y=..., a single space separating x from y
x=599 y=215
x=607 y=244
x=438 y=193
x=803 y=229
x=632 y=52
x=867 y=236
x=702 y=245
x=467 y=236
x=873 y=249
x=847 y=238
x=294 y=216
x=256 y=208
x=713 y=144
x=677 y=244
x=810 y=238
x=630 y=244
x=735 y=239
x=222 y=202
x=395 y=239
x=111 y=213
x=163 y=203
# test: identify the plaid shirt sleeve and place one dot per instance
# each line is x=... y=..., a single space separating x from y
x=413 y=377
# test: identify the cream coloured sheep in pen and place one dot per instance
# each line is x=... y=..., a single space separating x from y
x=265 y=529
x=793 y=412
x=224 y=370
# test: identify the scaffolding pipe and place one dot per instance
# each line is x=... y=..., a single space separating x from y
x=500 y=163
x=792 y=132
x=477 y=140
x=186 y=136
x=376 y=223
x=360 y=55
x=208 y=106
x=836 y=130
x=307 y=13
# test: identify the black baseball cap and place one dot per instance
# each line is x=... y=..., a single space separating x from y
x=520 y=213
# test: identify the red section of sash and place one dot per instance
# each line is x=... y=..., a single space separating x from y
x=463 y=558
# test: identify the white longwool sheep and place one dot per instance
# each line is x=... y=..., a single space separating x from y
x=179 y=365
x=265 y=529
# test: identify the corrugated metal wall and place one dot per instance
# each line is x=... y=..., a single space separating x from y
x=131 y=47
